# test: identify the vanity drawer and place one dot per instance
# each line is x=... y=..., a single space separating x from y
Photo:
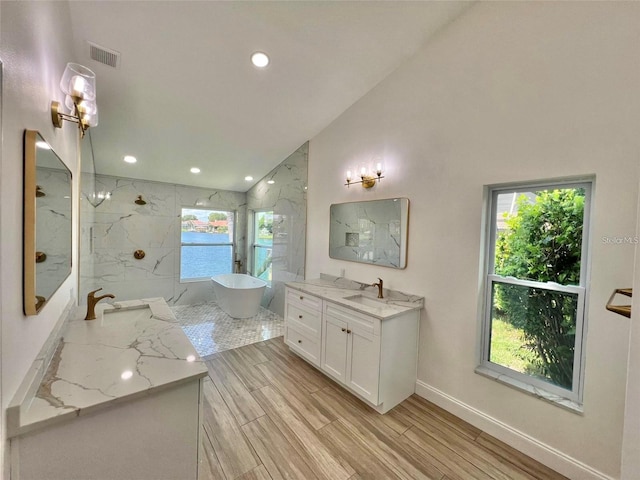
x=303 y=345
x=305 y=320
x=304 y=299
x=355 y=319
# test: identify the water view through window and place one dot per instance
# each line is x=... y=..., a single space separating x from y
x=206 y=239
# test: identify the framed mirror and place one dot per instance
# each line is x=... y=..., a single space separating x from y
x=370 y=232
x=46 y=222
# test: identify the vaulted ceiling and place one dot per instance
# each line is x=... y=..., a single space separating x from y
x=185 y=93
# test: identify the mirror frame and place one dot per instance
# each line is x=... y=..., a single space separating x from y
x=29 y=224
x=336 y=250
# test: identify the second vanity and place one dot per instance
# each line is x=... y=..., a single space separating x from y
x=368 y=345
x=116 y=397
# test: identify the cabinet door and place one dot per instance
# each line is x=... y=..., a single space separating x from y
x=363 y=365
x=334 y=347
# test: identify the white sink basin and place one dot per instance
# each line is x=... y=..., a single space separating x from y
x=362 y=300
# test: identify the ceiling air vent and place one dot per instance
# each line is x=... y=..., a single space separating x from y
x=103 y=55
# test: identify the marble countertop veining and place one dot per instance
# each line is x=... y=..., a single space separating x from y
x=134 y=348
x=339 y=289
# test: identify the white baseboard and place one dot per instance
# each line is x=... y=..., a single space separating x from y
x=549 y=456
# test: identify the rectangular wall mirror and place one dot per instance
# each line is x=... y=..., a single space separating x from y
x=370 y=232
x=47 y=222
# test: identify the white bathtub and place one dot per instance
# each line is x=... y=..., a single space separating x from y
x=239 y=295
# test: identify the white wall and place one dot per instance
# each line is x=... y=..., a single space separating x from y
x=2 y=427
x=35 y=47
x=509 y=92
x=631 y=438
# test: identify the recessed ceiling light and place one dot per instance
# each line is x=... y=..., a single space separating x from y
x=271 y=182
x=195 y=170
x=248 y=178
x=43 y=145
x=260 y=59
x=130 y=159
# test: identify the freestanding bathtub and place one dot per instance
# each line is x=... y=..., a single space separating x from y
x=239 y=295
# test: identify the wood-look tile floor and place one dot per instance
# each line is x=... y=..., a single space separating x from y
x=268 y=415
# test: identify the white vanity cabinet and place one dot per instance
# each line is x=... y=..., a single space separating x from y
x=119 y=397
x=372 y=356
x=303 y=325
x=351 y=350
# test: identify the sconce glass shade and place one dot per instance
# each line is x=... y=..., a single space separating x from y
x=90 y=120
x=349 y=176
x=377 y=165
x=84 y=106
x=88 y=110
x=78 y=81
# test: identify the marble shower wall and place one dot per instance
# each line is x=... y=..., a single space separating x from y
x=117 y=227
x=87 y=219
x=288 y=198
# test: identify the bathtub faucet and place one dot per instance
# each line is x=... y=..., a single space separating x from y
x=92 y=300
x=379 y=285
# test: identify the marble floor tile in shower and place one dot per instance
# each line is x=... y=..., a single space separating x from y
x=211 y=330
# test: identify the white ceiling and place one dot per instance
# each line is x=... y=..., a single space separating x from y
x=186 y=94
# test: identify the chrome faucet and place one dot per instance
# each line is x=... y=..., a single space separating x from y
x=379 y=285
x=92 y=300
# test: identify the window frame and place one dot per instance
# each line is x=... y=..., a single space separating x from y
x=489 y=278
x=232 y=243
x=256 y=244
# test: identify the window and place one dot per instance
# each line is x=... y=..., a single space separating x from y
x=206 y=240
x=535 y=286
x=262 y=244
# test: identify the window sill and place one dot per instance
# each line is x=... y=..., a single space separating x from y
x=195 y=280
x=552 y=398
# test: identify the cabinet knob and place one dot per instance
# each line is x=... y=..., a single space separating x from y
x=299 y=316
x=348 y=331
x=344 y=329
x=299 y=341
x=301 y=297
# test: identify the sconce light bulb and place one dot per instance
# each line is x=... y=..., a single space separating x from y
x=78 y=85
x=348 y=175
x=379 y=169
x=363 y=171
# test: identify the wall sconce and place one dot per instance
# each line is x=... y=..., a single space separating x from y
x=368 y=175
x=79 y=85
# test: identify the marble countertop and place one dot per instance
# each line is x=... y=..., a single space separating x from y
x=339 y=290
x=133 y=349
